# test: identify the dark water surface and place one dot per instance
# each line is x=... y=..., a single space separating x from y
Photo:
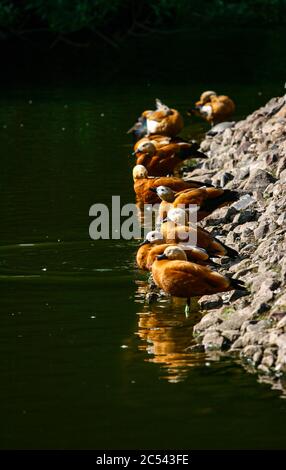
x=84 y=363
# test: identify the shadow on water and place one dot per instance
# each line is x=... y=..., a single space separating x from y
x=84 y=363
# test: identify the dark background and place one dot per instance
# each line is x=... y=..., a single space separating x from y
x=177 y=41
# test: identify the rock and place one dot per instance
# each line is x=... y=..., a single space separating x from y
x=234 y=322
x=230 y=335
x=259 y=326
x=219 y=128
x=251 y=158
x=245 y=216
x=260 y=231
x=237 y=344
x=282 y=176
x=209 y=302
x=259 y=180
x=282 y=219
x=252 y=352
x=225 y=178
x=208 y=320
x=263 y=369
x=244 y=202
x=253 y=337
x=212 y=341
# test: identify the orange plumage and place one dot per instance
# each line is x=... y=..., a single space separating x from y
x=214 y=108
x=173 y=233
x=207 y=199
x=143 y=183
x=162 y=160
x=154 y=246
x=163 y=120
x=181 y=278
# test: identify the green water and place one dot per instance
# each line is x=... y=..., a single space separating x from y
x=84 y=363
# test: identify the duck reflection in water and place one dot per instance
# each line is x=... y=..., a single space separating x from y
x=165 y=335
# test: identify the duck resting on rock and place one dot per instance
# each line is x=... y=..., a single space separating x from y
x=154 y=245
x=163 y=120
x=164 y=160
x=207 y=199
x=179 y=277
x=143 y=183
x=213 y=108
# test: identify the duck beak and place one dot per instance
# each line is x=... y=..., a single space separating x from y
x=154 y=190
x=160 y=257
x=146 y=242
x=133 y=154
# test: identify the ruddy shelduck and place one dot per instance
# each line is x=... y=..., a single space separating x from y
x=213 y=108
x=143 y=183
x=163 y=120
x=163 y=161
x=179 y=277
x=207 y=199
x=175 y=229
x=154 y=245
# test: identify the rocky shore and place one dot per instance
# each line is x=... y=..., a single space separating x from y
x=250 y=157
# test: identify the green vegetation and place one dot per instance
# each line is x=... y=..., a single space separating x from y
x=116 y=19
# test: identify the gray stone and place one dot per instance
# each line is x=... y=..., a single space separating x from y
x=237 y=344
x=212 y=341
x=282 y=322
x=246 y=159
x=230 y=335
x=259 y=180
x=234 y=322
x=245 y=216
x=208 y=320
x=252 y=352
x=244 y=202
x=211 y=302
x=263 y=369
x=259 y=326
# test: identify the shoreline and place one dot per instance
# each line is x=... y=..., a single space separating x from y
x=251 y=158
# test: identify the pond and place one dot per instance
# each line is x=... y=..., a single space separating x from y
x=85 y=363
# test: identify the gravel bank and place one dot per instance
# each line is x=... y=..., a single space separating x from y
x=250 y=157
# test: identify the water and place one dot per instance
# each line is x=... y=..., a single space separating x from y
x=84 y=363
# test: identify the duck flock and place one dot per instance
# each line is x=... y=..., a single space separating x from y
x=179 y=253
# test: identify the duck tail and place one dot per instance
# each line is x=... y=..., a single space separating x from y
x=227 y=197
x=230 y=252
x=237 y=284
x=191 y=151
x=198 y=184
x=139 y=129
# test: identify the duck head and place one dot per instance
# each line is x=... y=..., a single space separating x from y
x=206 y=96
x=163 y=107
x=147 y=148
x=154 y=237
x=173 y=252
x=139 y=172
x=164 y=192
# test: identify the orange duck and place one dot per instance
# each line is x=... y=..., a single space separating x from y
x=143 y=183
x=208 y=199
x=175 y=230
x=214 y=108
x=161 y=140
x=161 y=160
x=181 y=278
x=163 y=120
x=154 y=245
